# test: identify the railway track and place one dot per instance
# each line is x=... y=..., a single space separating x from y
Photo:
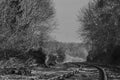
x=105 y=71
x=112 y=72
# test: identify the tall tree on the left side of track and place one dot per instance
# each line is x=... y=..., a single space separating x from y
x=25 y=23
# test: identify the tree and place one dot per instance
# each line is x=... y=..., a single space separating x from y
x=101 y=25
x=25 y=23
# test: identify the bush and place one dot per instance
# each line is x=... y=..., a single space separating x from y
x=61 y=55
x=8 y=53
x=39 y=55
x=51 y=60
x=115 y=56
x=14 y=66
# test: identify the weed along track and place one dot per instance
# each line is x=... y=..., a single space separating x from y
x=101 y=71
x=73 y=71
x=97 y=72
x=65 y=76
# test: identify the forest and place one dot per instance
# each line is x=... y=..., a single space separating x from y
x=26 y=44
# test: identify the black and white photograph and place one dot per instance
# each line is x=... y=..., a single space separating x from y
x=59 y=39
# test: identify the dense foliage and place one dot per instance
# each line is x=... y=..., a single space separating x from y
x=61 y=48
x=24 y=27
x=101 y=26
x=25 y=23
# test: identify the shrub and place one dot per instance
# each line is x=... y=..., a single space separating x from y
x=14 y=66
x=39 y=55
x=51 y=60
x=61 y=55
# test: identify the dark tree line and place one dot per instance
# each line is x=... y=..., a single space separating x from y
x=101 y=28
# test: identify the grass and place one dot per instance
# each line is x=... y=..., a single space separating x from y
x=44 y=74
x=38 y=73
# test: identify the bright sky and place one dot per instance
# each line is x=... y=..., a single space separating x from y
x=66 y=14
